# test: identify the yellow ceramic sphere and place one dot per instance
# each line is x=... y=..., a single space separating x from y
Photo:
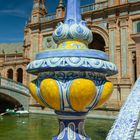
x=32 y=88
x=50 y=92
x=82 y=93
x=106 y=93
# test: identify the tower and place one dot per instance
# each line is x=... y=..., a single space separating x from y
x=60 y=10
x=38 y=12
x=32 y=34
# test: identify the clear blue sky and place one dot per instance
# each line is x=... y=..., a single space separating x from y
x=14 y=14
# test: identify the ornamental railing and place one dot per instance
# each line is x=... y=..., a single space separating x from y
x=126 y=124
x=84 y=9
x=94 y=7
x=13 y=85
x=14 y=59
x=51 y=17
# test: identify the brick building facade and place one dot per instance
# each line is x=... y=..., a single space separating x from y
x=12 y=62
x=115 y=25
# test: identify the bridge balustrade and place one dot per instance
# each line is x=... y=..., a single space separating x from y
x=13 y=85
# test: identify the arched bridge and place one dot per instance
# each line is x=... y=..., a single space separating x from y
x=13 y=94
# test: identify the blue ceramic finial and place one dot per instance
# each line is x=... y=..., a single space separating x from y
x=73 y=11
x=71 y=79
x=73 y=28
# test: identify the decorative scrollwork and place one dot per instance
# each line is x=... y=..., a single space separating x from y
x=68 y=63
x=72 y=31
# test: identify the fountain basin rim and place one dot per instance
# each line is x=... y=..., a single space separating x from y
x=73 y=53
x=72 y=64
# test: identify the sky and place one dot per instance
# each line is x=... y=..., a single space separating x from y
x=14 y=15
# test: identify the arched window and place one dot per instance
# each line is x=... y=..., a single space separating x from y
x=134 y=69
x=138 y=27
x=10 y=74
x=19 y=75
x=98 y=42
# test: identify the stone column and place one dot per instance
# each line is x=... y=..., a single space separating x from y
x=112 y=103
x=34 y=45
x=124 y=47
x=125 y=82
x=112 y=27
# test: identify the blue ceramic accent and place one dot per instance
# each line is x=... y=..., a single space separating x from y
x=73 y=53
x=74 y=31
x=72 y=63
x=68 y=67
x=74 y=27
x=71 y=129
x=64 y=80
x=125 y=125
x=73 y=14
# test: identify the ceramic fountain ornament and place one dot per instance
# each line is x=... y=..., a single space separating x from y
x=71 y=79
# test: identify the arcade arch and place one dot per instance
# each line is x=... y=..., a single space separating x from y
x=10 y=74
x=100 y=39
x=20 y=75
x=98 y=42
x=7 y=102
